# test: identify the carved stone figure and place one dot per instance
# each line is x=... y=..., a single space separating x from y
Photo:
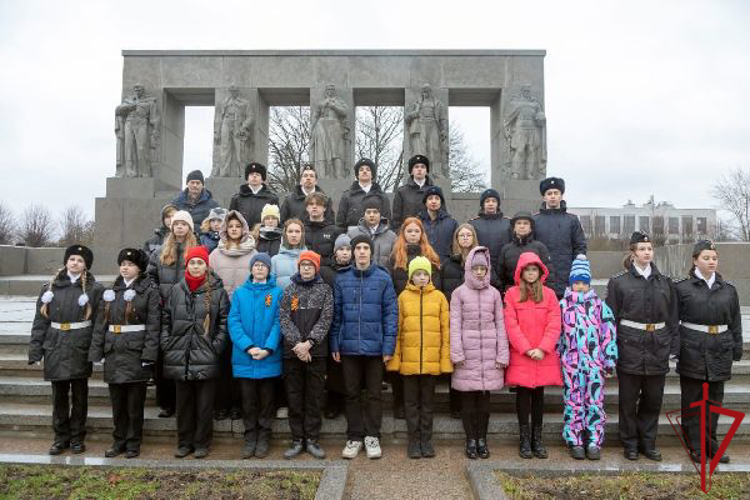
x=137 y=131
x=330 y=134
x=427 y=122
x=525 y=130
x=232 y=126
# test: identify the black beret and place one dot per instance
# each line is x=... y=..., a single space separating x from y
x=365 y=161
x=419 y=159
x=551 y=183
x=195 y=175
x=82 y=250
x=134 y=255
x=639 y=237
x=258 y=168
x=703 y=245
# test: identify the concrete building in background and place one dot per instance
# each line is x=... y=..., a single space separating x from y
x=666 y=223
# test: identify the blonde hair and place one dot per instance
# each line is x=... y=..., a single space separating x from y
x=44 y=310
x=207 y=320
x=285 y=241
x=168 y=255
x=455 y=247
x=205 y=225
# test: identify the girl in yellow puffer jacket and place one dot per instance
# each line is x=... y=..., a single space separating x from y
x=422 y=352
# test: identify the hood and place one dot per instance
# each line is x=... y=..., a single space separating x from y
x=292 y=252
x=264 y=192
x=469 y=278
x=563 y=208
x=382 y=227
x=163 y=211
x=247 y=245
x=238 y=216
x=526 y=259
x=270 y=283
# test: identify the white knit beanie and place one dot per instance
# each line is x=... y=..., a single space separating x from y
x=270 y=210
x=184 y=216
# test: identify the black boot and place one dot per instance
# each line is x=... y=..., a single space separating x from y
x=537 y=446
x=524 y=450
x=471 y=449
x=482 y=450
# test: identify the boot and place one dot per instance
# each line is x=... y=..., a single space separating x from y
x=471 y=449
x=537 y=446
x=413 y=450
x=524 y=450
x=482 y=450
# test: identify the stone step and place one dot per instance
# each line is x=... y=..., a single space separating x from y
x=37 y=419
x=38 y=391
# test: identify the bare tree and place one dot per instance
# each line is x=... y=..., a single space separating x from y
x=7 y=225
x=37 y=227
x=732 y=191
x=380 y=137
x=288 y=143
x=75 y=227
x=466 y=174
x=725 y=230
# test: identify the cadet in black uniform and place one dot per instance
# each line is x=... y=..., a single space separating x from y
x=710 y=339
x=645 y=307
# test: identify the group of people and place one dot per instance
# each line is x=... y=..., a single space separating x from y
x=261 y=309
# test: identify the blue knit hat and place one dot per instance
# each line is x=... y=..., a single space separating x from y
x=261 y=257
x=580 y=270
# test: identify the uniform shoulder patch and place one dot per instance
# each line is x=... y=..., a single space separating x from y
x=620 y=274
x=680 y=280
x=729 y=283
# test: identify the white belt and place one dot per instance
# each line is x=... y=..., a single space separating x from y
x=126 y=328
x=71 y=326
x=709 y=329
x=647 y=327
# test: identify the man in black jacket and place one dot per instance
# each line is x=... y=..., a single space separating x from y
x=293 y=206
x=350 y=209
x=320 y=232
x=560 y=231
x=493 y=229
x=254 y=195
x=407 y=200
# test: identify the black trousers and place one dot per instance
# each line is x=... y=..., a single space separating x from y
x=640 y=406
x=304 y=384
x=195 y=413
x=530 y=401
x=475 y=413
x=228 y=388
x=165 y=388
x=691 y=391
x=356 y=369
x=419 y=391
x=397 y=387
x=128 y=401
x=258 y=407
x=69 y=421
x=335 y=388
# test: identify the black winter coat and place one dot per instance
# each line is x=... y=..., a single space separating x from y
x=652 y=300
x=704 y=356
x=400 y=276
x=251 y=205
x=293 y=206
x=452 y=275
x=407 y=201
x=156 y=241
x=124 y=353
x=321 y=236
x=330 y=270
x=268 y=242
x=166 y=276
x=65 y=352
x=563 y=235
x=440 y=232
x=511 y=252
x=189 y=353
x=493 y=232
x=306 y=313
x=198 y=210
x=350 y=206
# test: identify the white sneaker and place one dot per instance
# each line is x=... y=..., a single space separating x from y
x=352 y=449
x=282 y=413
x=372 y=445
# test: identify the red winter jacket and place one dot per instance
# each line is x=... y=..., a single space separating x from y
x=529 y=326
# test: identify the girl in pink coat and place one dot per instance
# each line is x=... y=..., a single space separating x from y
x=479 y=348
x=533 y=322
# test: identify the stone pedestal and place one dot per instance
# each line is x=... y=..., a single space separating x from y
x=137 y=187
x=223 y=188
x=519 y=196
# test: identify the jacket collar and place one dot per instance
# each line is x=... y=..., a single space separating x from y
x=263 y=192
x=364 y=273
x=270 y=283
x=495 y=216
x=654 y=271
x=411 y=183
x=356 y=188
x=297 y=279
x=548 y=211
x=205 y=196
x=695 y=280
x=382 y=227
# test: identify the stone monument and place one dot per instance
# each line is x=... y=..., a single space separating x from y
x=526 y=132
x=232 y=133
x=427 y=128
x=329 y=135
x=137 y=131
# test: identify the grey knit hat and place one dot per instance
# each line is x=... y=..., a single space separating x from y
x=342 y=241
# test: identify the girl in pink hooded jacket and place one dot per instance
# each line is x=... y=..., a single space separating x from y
x=533 y=322
x=479 y=348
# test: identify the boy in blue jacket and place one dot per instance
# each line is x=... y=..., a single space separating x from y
x=362 y=339
x=256 y=352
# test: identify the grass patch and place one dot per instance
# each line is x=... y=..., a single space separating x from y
x=58 y=482
x=626 y=486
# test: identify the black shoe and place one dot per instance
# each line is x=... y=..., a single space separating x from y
x=201 y=453
x=314 y=449
x=414 y=450
x=332 y=412
x=524 y=449
x=428 y=451
x=297 y=446
x=132 y=453
x=235 y=414
x=593 y=452
x=652 y=454
x=263 y=448
x=471 y=449
x=58 y=448
x=577 y=452
x=630 y=453
x=183 y=451
x=249 y=450
x=482 y=450
x=77 y=447
x=724 y=459
x=113 y=451
x=166 y=412
x=399 y=413
x=537 y=445
x=456 y=414
x=221 y=415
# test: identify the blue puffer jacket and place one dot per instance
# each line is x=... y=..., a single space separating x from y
x=284 y=265
x=365 y=313
x=254 y=322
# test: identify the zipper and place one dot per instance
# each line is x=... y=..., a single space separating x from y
x=359 y=323
x=421 y=329
x=481 y=350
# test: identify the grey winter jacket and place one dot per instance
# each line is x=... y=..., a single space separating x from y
x=382 y=239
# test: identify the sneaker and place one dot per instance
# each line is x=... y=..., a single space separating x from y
x=413 y=450
x=183 y=451
x=58 y=447
x=220 y=415
x=263 y=448
x=593 y=452
x=314 y=449
x=282 y=413
x=201 y=453
x=114 y=451
x=372 y=446
x=235 y=414
x=294 y=449
x=352 y=449
x=132 y=453
x=77 y=447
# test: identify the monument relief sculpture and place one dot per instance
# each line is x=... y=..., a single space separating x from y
x=526 y=133
x=427 y=122
x=137 y=131
x=232 y=126
x=329 y=135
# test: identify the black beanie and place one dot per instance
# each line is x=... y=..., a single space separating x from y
x=522 y=215
x=419 y=159
x=489 y=193
x=369 y=163
x=552 y=183
x=361 y=238
x=82 y=250
x=134 y=255
x=372 y=201
x=431 y=191
x=257 y=168
x=195 y=175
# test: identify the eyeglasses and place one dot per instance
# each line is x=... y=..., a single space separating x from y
x=465 y=236
x=306 y=264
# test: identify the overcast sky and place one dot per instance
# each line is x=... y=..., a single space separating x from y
x=642 y=97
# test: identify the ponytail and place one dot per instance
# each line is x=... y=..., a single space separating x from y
x=44 y=310
x=84 y=276
x=207 y=320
